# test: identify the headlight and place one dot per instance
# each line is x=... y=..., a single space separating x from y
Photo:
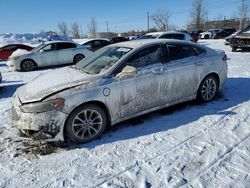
x=42 y=106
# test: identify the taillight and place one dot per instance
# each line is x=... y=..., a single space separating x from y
x=224 y=57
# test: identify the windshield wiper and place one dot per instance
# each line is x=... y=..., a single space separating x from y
x=78 y=68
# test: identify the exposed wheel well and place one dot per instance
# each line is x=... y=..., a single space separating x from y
x=98 y=103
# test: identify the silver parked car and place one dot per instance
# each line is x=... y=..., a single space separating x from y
x=115 y=83
x=49 y=54
x=175 y=35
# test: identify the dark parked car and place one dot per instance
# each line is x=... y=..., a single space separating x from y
x=229 y=38
x=241 y=40
x=6 y=51
x=117 y=39
x=95 y=44
x=224 y=33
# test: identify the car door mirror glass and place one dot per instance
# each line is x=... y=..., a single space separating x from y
x=127 y=72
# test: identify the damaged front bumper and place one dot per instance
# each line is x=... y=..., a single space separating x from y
x=46 y=126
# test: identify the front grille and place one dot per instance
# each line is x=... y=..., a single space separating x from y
x=14 y=114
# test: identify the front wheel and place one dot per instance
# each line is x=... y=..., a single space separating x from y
x=234 y=48
x=28 y=65
x=208 y=89
x=86 y=123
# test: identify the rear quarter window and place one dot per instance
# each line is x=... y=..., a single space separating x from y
x=198 y=51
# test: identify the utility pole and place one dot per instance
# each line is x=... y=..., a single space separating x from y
x=148 y=20
x=107 y=24
x=81 y=32
x=241 y=14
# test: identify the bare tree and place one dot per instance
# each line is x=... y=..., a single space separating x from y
x=75 y=30
x=161 y=20
x=198 y=14
x=92 y=27
x=63 y=29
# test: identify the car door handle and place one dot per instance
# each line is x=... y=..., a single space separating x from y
x=199 y=64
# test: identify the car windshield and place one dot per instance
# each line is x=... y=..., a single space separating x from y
x=102 y=60
x=37 y=48
x=247 y=29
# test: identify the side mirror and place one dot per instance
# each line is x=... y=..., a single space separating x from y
x=127 y=72
x=41 y=51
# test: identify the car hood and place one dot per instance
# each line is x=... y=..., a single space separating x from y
x=52 y=82
x=244 y=35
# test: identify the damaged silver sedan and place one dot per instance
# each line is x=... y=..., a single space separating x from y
x=116 y=83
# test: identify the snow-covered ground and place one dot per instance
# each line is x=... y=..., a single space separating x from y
x=191 y=145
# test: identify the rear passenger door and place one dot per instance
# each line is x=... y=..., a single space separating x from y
x=180 y=72
x=65 y=52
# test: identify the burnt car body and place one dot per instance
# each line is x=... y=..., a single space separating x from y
x=241 y=40
x=116 y=83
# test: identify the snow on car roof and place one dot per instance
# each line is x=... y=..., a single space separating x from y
x=139 y=43
x=83 y=41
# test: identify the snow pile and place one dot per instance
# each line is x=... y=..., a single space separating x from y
x=31 y=38
x=19 y=52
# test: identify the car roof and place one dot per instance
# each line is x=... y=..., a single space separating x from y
x=148 y=42
x=83 y=41
x=58 y=41
x=155 y=33
x=172 y=32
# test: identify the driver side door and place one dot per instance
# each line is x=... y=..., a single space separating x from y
x=47 y=55
x=138 y=92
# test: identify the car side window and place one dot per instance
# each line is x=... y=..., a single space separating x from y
x=61 y=46
x=98 y=43
x=167 y=36
x=49 y=47
x=176 y=52
x=179 y=36
x=198 y=51
x=10 y=47
x=148 y=56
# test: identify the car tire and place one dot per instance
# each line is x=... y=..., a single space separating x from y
x=206 y=36
x=78 y=58
x=28 y=65
x=234 y=48
x=85 y=123
x=208 y=89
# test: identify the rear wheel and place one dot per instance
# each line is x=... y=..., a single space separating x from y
x=28 y=65
x=208 y=89
x=206 y=37
x=78 y=58
x=86 y=123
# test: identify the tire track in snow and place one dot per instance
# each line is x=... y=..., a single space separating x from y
x=209 y=128
x=218 y=160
